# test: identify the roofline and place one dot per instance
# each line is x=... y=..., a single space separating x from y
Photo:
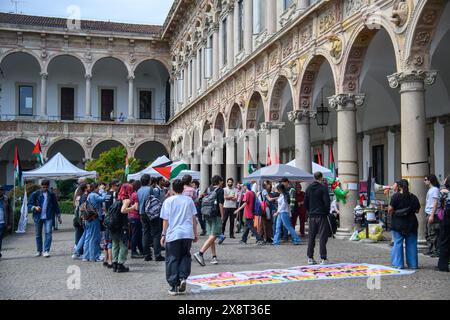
x=170 y=16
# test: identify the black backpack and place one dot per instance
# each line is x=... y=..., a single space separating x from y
x=114 y=219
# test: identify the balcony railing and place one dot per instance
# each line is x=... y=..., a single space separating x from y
x=15 y=117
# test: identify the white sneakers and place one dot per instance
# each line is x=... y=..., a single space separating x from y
x=38 y=254
x=323 y=262
x=46 y=254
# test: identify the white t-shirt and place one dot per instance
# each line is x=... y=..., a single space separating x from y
x=179 y=211
x=282 y=205
x=230 y=193
x=432 y=195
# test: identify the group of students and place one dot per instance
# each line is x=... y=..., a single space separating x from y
x=97 y=206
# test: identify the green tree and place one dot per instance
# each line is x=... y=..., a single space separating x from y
x=111 y=165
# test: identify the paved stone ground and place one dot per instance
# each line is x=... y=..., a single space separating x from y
x=22 y=276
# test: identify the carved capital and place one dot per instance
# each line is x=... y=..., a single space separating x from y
x=428 y=77
x=346 y=100
x=267 y=126
x=88 y=76
x=44 y=75
x=301 y=115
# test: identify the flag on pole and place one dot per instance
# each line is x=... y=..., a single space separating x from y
x=319 y=158
x=269 y=161
x=250 y=163
x=37 y=153
x=332 y=163
x=127 y=166
x=22 y=225
x=17 y=168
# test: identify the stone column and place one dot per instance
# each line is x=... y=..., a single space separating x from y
x=345 y=105
x=230 y=158
x=414 y=153
x=275 y=141
x=236 y=31
x=130 y=98
x=266 y=128
x=44 y=77
x=302 y=120
x=87 y=106
x=230 y=37
x=194 y=83
x=248 y=26
x=216 y=60
x=271 y=16
x=391 y=156
x=186 y=85
x=217 y=161
x=195 y=161
x=204 y=168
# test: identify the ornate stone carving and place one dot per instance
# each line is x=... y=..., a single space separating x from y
x=264 y=87
x=131 y=141
x=301 y=115
x=344 y=100
x=327 y=19
x=88 y=141
x=335 y=46
x=428 y=77
x=400 y=13
x=352 y=6
x=43 y=140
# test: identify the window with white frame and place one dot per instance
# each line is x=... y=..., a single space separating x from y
x=200 y=67
x=209 y=58
x=224 y=42
x=287 y=4
x=191 y=69
x=259 y=16
x=241 y=25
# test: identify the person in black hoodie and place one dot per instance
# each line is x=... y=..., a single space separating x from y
x=317 y=204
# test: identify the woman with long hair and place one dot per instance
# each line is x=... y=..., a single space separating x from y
x=283 y=216
x=403 y=207
x=444 y=239
x=120 y=236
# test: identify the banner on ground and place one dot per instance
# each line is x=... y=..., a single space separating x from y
x=304 y=273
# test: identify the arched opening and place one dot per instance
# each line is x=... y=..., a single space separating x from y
x=438 y=98
x=317 y=85
x=105 y=146
x=280 y=105
x=66 y=88
x=149 y=151
x=27 y=161
x=235 y=126
x=21 y=85
x=255 y=117
x=109 y=89
x=70 y=149
x=152 y=91
x=219 y=157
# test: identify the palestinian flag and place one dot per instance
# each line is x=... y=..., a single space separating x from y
x=17 y=168
x=319 y=158
x=332 y=163
x=37 y=153
x=250 y=163
x=170 y=170
x=127 y=166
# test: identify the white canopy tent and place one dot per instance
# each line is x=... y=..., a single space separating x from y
x=316 y=168
x=58 y=168
x=194 y=174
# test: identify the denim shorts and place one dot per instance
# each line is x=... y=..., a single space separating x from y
x=106 y=243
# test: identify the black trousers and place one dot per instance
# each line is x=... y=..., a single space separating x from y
x=178 y=261
x=151 y=233
x=250 y=227
x=136 y=235
x=444 y=244
x=318 y=226
x=228 y=213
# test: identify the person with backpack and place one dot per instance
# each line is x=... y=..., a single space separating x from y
x=213 y=212
x=198 y=203
x=403 y=207
x=284 y=216
x=268 y=209
x=444 y=234
x=432 y=230
x=143 y=194
x=248 y=205
x=93 y=219
x=45 y=207
x=117 y=223
x=179 y=231
x=317 y=204
x=134 y=220
x=79 y=245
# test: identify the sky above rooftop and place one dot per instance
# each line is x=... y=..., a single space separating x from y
x=127 y=11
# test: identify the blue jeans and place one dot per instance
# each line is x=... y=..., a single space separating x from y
x=284 y=231
x=92 y=236
x=47 y=224
x=2 y=229
x=80 y=243
x=397 y=255
x=284 y=219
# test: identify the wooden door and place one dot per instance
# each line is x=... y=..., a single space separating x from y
x=145 y=104
x=107 y=104
x=67 y=103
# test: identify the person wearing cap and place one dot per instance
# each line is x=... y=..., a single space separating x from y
x=5 y=215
